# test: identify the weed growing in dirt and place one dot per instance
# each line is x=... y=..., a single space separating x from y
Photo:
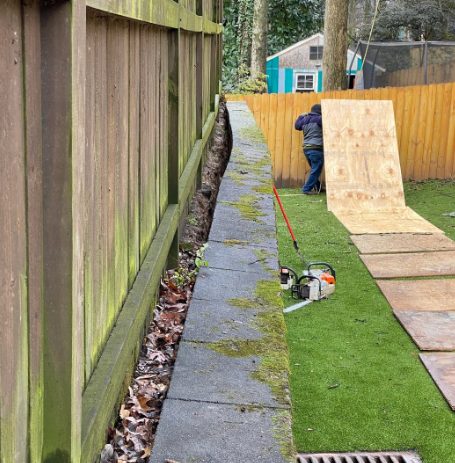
x=385 y=399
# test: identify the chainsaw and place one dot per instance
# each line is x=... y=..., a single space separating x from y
x=317 y=281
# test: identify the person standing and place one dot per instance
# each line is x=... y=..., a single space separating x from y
x=313 y=147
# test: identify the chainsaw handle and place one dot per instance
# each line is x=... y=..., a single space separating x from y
x=310 y=277
x=332 y=270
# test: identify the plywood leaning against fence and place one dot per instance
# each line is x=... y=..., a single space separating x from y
x=424 y=119
x=108 y=108
x=363 y=178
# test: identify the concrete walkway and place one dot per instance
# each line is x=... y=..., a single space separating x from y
x=228 y=400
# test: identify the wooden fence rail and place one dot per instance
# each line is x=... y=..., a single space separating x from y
x=424 y=118
x=107 y=108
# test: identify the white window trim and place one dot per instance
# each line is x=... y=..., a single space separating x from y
x=303 y=73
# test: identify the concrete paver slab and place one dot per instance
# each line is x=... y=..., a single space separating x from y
x=241 y=257
x=209 y=321
x=226 y=285
x=212 y=433
x=202 y=374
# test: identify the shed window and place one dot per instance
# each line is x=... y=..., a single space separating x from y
x=316 y=52
x=305 y=83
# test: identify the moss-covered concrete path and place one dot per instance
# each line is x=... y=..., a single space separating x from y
x=228 y=400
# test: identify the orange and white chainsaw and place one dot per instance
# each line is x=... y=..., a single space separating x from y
x=317 y=281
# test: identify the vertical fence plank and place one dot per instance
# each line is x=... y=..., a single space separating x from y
x=295 y=143
x=405 y=131
x=429 y=127
x=101 y=251
x=133 y=158
x=420 y=134
x=271 y=140
x=90 y=196
x=437 y=134
x=13 y=251
x=446 y=109
x=265 y=105
x=281 y=111
x=302 y=102
x=173 y=42
x=449 y=164
x=287 y=143
x=63 y=113
x=164 y=182
x=33 y=144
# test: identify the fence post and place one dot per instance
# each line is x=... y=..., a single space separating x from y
x=173 y=132
x=63 y=129
x=199 y=87
x=425 y=63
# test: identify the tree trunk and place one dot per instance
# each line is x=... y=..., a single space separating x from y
x=259 y=40
x=245 y=21
x=335 y=45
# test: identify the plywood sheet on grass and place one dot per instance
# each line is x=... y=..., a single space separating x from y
x=362 y=162
x=441 y=366
x=429 y=330
x=421 y=264
x=398 y=221
x=419 y=295
x=406 y=242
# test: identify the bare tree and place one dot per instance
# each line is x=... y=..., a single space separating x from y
x=335 y=45
x=259 y=39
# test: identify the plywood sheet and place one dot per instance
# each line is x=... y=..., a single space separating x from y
x=422 y=264
x=429 y=330
x=405 y=242
x=403 y=220
x=441 y=366
x=419 y=295
x=362 y=162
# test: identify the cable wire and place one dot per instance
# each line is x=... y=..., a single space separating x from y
x=371 y=33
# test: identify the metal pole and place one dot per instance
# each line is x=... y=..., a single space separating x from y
x=373 y=67
x=352 y=61
x=425 y=63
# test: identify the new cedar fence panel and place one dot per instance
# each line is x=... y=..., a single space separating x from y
x=99 y=157
x=424 y=120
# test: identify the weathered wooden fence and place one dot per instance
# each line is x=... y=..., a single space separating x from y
x=424 y=117
x=106 y=110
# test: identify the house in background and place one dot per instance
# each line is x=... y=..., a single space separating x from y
x=298 y=68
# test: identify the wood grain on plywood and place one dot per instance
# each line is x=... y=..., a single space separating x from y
x=430 y=330
x=361 y=156
x=419 y=295
x=403 y=242
x=441 y=367
x=423 y=264
x=400 y=220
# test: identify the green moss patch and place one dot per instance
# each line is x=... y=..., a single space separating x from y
x=385 y=399
x=234 y=242
x=247 y=206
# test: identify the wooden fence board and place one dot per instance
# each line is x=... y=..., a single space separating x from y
x=90 y=198
x=437 y=134
x=281 y=111
x=424 y=119
x=13 y=251
x=33 y=145
x=287 y=141
x=133 y=158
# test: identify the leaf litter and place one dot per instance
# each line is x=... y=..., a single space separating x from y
x=132 y=437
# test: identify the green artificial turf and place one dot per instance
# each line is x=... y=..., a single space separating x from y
x=384 y=398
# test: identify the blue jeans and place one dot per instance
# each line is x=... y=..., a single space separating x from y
x=315 y=159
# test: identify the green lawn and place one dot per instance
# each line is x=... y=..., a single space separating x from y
x=385 y=399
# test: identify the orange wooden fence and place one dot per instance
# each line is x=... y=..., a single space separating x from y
x=424 y=117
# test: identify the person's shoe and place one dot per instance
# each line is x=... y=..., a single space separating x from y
x=310 y=193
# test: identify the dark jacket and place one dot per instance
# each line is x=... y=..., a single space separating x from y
x=311 y=124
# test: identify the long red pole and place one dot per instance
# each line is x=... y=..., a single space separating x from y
x=286 y=218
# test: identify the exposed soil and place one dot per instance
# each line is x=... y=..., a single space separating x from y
x=133 y=435
x=199 y=220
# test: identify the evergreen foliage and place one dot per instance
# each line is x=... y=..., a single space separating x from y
x=289 y=22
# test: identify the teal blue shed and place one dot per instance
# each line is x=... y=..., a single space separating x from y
x=298 y=68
